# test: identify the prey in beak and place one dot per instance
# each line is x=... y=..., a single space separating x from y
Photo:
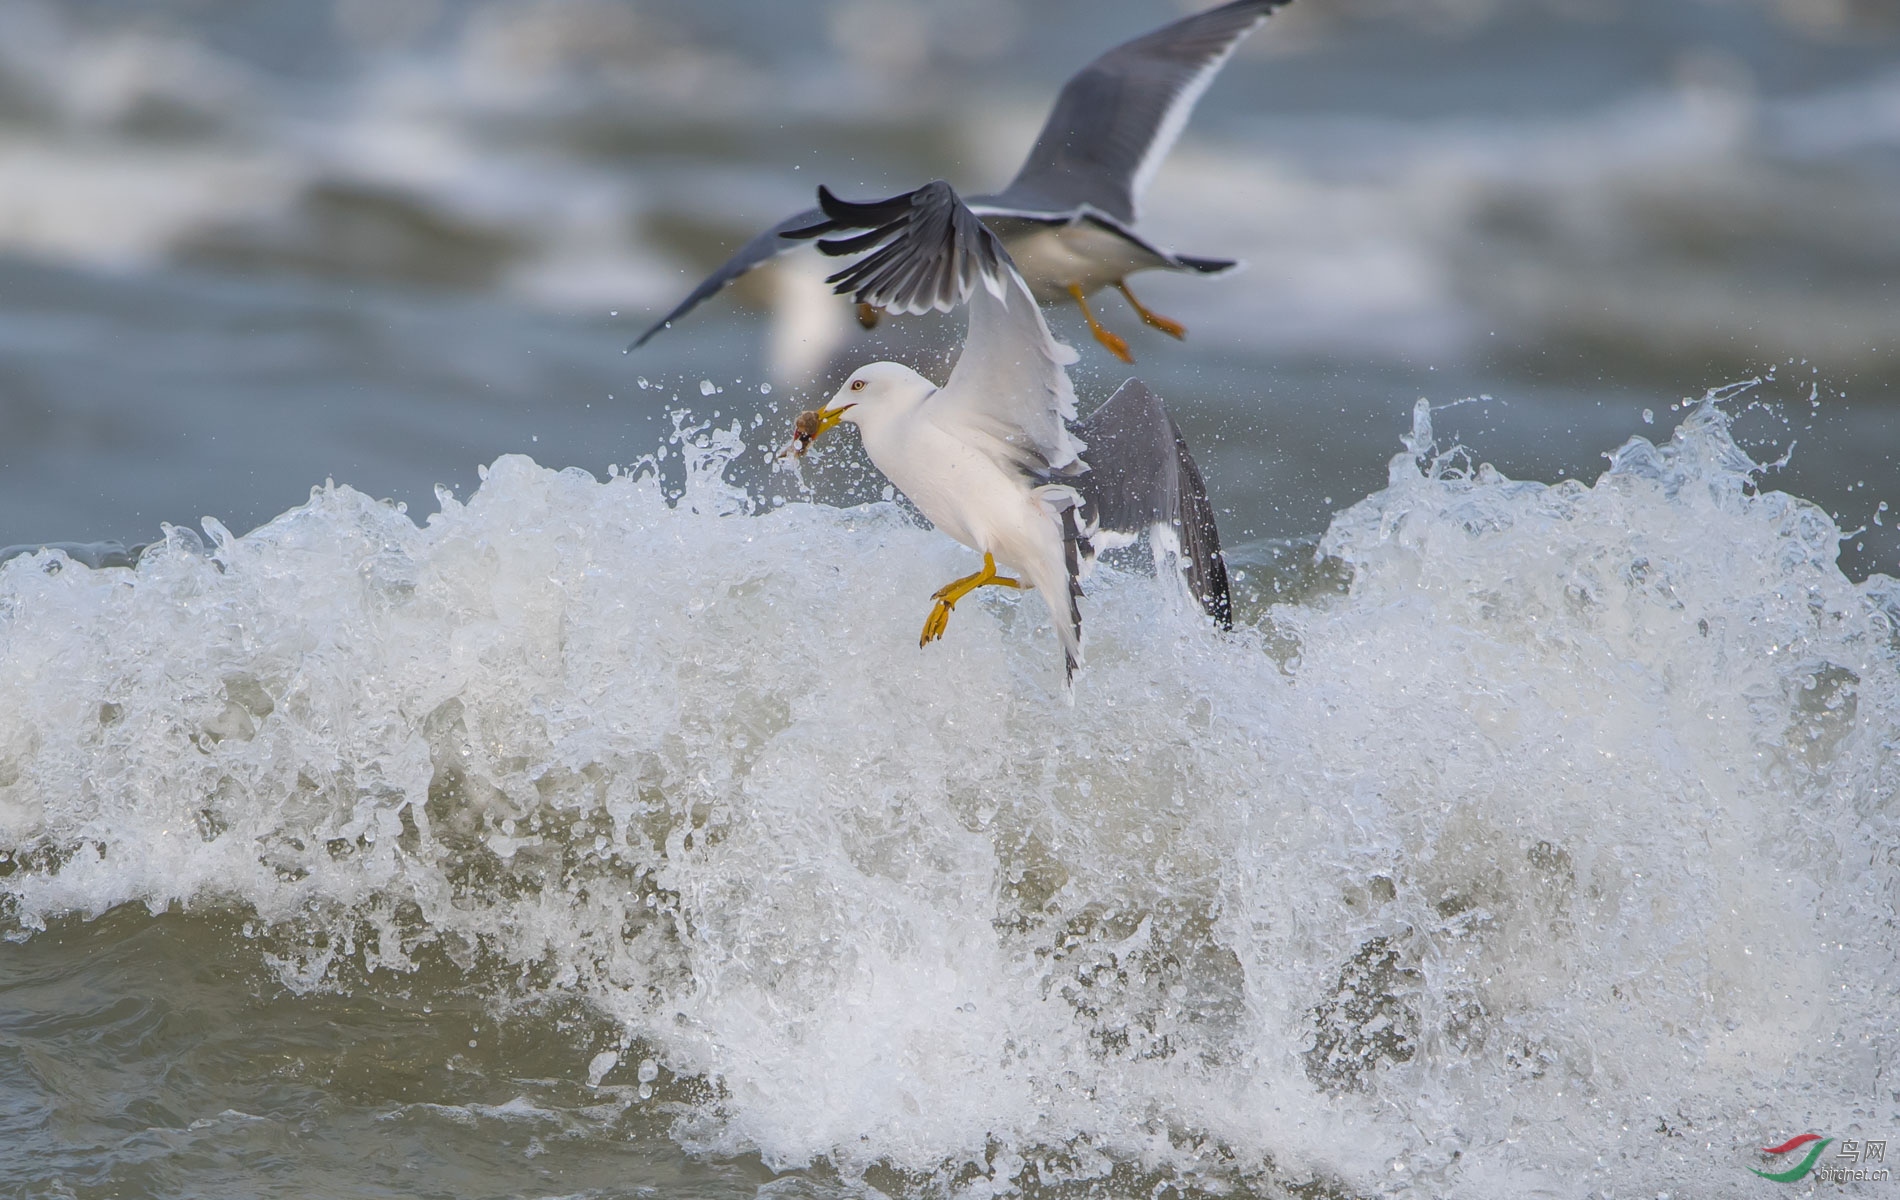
x=809 y=425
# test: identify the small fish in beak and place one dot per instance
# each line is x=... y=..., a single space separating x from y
x=807 y=427
x=804 y=430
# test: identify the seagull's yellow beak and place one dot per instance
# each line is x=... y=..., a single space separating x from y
x=810 y=424
x=828 y=417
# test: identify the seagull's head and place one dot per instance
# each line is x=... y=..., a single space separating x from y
x=880 y=390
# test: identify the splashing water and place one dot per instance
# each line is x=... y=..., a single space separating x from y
x=1556 y=855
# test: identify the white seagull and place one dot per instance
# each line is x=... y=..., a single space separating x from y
x=989 y=457
x=1068 y=217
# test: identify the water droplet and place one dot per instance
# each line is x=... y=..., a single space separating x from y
x=599 y=1065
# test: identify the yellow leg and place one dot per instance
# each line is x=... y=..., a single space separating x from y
x=1115 y=344
x=948 y=595
x=1173 y=329
x=867 y=316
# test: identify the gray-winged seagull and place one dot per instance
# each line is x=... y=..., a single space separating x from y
x=989 y=457
x=1068 y=217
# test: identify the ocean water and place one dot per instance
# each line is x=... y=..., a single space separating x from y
x=494 y=780
x=1521 y=840
x=248 y=246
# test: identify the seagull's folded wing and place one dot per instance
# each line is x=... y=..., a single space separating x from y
x=1141 y=478
x=1009 y=381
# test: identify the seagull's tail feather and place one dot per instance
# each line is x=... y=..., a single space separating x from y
x=1061 y=583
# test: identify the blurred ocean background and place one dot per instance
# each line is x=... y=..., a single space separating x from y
x=646 y=893
x=246 y=246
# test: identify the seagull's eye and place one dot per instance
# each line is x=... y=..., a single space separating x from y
x=857 y=385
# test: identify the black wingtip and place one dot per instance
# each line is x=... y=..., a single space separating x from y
x=836 y=214
x=1207 y=561
x=807 y=232
x=646 y=337
x=840 y=247
x=914 y=252
x=1207 y=266
x=867 y=213
x=1218 y=601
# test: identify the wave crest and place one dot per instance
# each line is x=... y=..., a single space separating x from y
x=1574 y=810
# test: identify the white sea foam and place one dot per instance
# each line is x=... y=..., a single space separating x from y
x=1557 y=856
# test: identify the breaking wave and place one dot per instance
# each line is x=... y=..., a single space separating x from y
x=1530 y=839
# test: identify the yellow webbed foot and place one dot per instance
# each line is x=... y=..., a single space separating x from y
x=946 y=598
x=954 y=592
x=1167 y=325
x=1172 y=328
x=935 y=623
x=1116 y=345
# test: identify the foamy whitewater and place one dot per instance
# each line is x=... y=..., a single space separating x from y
x=1555 y=856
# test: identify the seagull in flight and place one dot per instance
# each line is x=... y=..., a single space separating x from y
x=1068 y=218
x=990 y=457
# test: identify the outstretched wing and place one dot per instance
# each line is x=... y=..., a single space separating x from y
x=922 y=250
x=1141 y=478
x=1119 y=116
x=767 y=245
x=925 y=250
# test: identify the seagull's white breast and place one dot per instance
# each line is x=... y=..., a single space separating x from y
x=965 y=492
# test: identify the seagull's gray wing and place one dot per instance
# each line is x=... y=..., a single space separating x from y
x=1119 y=116
x=1141 y=478
x=767 y=245
x=925 y=250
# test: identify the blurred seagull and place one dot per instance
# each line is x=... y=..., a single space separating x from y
x=1068 y=217
x=989 y=457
